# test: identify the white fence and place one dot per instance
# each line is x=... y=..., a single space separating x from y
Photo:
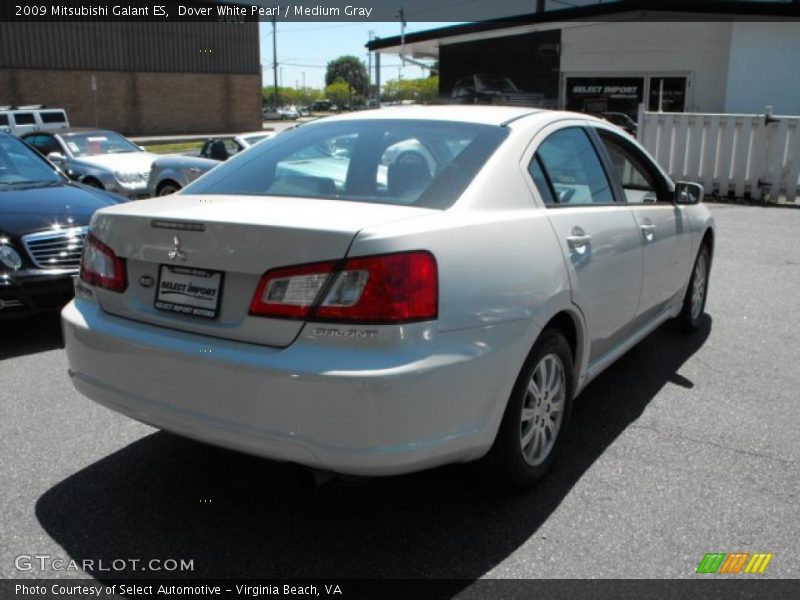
x=741 y=156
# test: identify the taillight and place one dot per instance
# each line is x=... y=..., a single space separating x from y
x=388 y=288
x=101 y=267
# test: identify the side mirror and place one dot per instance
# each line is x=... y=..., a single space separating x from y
x=142 y=148
x=688 y=193
x=56 y=158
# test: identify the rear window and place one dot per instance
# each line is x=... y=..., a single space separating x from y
x=24 y=119
x=387 y=161
x=53 y=117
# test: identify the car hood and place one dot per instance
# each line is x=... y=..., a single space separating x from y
x=24 y=209
x=126 y=162
x=183 y=162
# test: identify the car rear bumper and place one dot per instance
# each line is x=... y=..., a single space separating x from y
x=365 y=412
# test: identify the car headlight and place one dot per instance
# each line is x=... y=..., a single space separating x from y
x=10 y=257
x=128 y=177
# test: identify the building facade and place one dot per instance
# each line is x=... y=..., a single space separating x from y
x=617 y=56
x=136 y=77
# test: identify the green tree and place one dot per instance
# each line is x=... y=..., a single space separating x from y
x=293 y=96
x=350 y=70
x=424 y=90
x=338 y=92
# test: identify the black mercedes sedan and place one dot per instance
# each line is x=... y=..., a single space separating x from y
x=43 y=220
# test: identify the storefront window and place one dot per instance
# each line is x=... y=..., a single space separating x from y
x=667 y=94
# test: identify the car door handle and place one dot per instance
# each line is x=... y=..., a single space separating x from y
x=648 y=230
x=578 y=241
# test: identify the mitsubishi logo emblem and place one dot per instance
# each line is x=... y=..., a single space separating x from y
x=176 y=253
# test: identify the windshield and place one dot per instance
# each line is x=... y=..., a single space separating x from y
x=19 y=164
x=408 y=162
x=492 y=82
x=98 y=142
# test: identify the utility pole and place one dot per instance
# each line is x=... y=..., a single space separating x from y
x=378 y=76
x=371 y=35
x=402 y=16
x=274 y=63
x=304 y=79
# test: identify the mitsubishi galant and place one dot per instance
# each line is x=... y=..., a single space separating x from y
x=390 y=290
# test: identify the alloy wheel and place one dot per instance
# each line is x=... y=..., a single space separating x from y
x=543 y=409
x=699 y=285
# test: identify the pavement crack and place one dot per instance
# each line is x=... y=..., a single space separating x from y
x=687 y=438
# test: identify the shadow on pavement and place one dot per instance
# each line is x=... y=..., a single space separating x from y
x=239 y=516
x=30 y=335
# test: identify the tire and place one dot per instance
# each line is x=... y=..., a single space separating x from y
x=694 y=302
x=524 y=450
x=167 y=188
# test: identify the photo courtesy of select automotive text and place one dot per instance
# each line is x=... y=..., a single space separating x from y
x=400 y=299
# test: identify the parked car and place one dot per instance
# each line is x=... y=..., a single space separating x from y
x=493 y=89
x=168 y=174
x=378 y=327
x=284 y=113
x=43 y=220
x=97 y=157
x=23 y=119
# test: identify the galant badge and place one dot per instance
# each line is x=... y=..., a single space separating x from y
x=176 y=253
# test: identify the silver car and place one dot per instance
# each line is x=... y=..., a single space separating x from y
x=372 y=325
x=168 y=174
x=97 y=157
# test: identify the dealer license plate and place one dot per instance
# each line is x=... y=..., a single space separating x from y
x=189 y=291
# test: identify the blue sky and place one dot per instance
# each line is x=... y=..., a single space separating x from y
x=307 y=48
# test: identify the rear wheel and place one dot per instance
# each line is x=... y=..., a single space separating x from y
x=694 y=303
x=167 y=188
x=537 y=414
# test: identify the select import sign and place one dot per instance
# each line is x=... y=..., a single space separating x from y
x=605 y=94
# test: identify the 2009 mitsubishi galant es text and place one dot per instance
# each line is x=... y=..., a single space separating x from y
x=391 y=290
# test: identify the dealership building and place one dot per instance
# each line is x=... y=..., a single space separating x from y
x=136 y=77
x=701 y=56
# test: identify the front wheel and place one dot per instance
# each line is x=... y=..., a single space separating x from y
x=537 y=414
x=694 y=303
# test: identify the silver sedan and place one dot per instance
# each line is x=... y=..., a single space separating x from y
x=96 y=157
x=168 y=174
x=340 y=299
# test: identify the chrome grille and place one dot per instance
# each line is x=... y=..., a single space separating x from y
x=145 y=175
x=56 y=248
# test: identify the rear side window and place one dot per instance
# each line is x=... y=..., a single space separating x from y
x=3 y=119
x=406 y=162
x=44 y=143
x=573 y=168
x=53 y=117
x=24 y=119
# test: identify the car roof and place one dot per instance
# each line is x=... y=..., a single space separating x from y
x=70 y=130
x=67 y=131
x=486 y=115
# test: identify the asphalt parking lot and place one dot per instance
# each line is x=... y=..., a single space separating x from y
x=689 y=444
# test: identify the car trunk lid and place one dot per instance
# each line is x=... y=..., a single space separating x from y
x=180 y=249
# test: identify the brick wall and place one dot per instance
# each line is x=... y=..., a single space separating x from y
x=136 y=103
